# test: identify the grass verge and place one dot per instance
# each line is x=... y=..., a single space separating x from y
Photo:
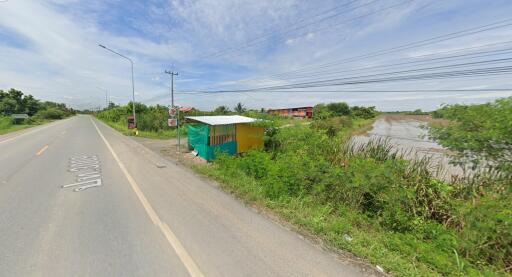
x=7 y=127
x=162 y=134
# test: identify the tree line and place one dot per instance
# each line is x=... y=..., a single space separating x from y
x=15 y=101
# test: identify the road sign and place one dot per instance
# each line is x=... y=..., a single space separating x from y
x=172 y=112
x=172 y=122
x=131 y=122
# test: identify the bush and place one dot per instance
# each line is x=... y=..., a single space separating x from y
x=50 y=113
x=153 y=119
x=487 y=233
x=480 y=134
x=363 y=112
x=5 y=122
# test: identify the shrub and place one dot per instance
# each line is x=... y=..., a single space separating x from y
x=51 y=113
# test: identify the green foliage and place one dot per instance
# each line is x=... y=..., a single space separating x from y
x=323 y=111
x=51 y=113
x=399 y=214
x=333 y=125
x=151 y=121
x=221 y=110
x=320 y=112
x=15 y=102
x=338 y=109
x=479 y=134
x=5 y=122
x=239 y=108
x=363 y=112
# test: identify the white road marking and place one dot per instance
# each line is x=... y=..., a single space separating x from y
x=91 y=177
x=180 y=250
x=88 y=186
x=96 y=183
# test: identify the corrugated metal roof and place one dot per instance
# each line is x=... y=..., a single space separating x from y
x=221 y=119
x=186 y=109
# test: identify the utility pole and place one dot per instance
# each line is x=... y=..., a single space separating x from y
x=106 y=99
x=172 y=73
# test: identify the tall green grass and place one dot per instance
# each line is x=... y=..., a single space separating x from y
x=6 y=125
x=151 y=122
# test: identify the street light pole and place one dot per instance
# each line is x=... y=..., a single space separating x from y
x=133 y=80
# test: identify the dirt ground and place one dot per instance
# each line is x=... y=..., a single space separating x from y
x=168 y=149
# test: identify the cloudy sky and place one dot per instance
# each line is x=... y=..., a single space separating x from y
x=49 y=48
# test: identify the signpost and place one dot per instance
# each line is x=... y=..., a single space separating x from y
x=131 y=122
x=172 y=122
x=172 y=111
x=17 y=118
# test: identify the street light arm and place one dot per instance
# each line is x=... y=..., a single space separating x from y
x=108 y=49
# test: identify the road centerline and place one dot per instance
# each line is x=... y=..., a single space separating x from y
x=179 y=249
x=40 y=152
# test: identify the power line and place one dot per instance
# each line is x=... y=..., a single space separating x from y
x=248 y=45
x=357 y=80
x=434 y=40
x=409 y=63
x=424 y=42
x=352 y=90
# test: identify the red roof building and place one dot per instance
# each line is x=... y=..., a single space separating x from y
x=302 y=112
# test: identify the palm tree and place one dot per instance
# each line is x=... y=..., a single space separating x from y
x=239 y=108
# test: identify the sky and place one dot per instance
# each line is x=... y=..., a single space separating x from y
x=230 y=51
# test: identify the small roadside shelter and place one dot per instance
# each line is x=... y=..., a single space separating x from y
x=232 y=134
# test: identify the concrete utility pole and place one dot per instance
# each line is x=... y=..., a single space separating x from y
x=172 y=73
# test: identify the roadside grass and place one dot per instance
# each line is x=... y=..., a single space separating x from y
x=371 y=202
x=161 y=134
x=7 y=127
x=314 y=219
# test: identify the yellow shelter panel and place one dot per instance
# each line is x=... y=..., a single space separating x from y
x=248 y=137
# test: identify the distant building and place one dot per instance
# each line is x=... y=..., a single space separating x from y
x=301 y=112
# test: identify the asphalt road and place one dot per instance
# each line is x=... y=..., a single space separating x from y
x=123 y=211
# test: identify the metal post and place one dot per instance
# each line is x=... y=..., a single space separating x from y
x=172 y=90
x=179 y=142
x=133 y=101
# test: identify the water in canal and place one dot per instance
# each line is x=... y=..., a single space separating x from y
x=407 y=135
